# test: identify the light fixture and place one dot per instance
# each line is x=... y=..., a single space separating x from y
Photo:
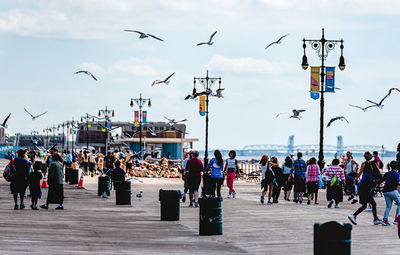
x=131 y=103
x=149 y=103
x=99 y=113
x=304 y=64
x=112 y=113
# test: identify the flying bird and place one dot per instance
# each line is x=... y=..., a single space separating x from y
x=296 y=114
x=4 y=124
x=144 y=35
x=193 y=95
x=35 y=117
x=87 y=73
x=206 y=92
x=218 y=93
x=342 y=118
x=383 y=99
x=210 y=42
x=362 y=108
x=279 y=41
x=166 y=81
x=173 y=122
x=152 y=132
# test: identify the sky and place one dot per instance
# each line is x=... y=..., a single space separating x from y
x=43 y=42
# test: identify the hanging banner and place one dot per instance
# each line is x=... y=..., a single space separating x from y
x=330 y=80
x=314 y=84
x=109 y=124
x=70 y=131
x=202 y=105
x=136 y=116
x=144 y=116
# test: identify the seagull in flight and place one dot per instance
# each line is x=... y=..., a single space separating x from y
x=206 y=92
x=192 y=96
x=166 y=81
x=383 y=99
x=342 y=118
x=210 y=42
x=4 y=124
x=152 y=132
x=296 y=114
x=279 y=41
x=362 y=108
x=173 y=122
x=143 y=35
x=87 y=73
x=218 y=93
x=35 y=117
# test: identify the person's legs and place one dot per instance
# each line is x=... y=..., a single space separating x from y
x=229 y=182
x=219 y=184
x=213 y=186
x=373 y=204
x=270 y=187
x=396 y=198
x=389 y=202
x=316 y=197
x=359 y=210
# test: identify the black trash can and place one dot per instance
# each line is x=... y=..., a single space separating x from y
x=73 y=177
x=170 y=204
x=332 y=238
x=67 y=174
x=210 y=216
x=103 y=185
x=123 y=192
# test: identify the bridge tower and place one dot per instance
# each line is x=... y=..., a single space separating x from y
x=340 y=147
x=291 y=144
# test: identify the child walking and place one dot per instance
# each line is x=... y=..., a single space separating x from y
x=230 y=169
x=34 y=184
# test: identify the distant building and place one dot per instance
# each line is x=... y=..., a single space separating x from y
x=2 y=136
x=38 y=141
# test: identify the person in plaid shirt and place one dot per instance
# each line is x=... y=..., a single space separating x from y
x=300 y=168
x=312 y=180
x=334 y=191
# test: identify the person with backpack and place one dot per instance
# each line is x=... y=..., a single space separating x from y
x=279 y=181
x=366 y=185
x=19 y=183
x=230 y=169
x=300 y=168
x=267 y=179
x=312 y=180
x=34 y=184
x=334 y=191
x=216 y=175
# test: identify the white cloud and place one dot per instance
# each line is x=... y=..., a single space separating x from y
x=246 y=65
x=138 y=67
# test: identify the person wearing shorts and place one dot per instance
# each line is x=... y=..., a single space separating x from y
x=194 y=167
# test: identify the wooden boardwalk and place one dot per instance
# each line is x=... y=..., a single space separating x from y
x=91 y=225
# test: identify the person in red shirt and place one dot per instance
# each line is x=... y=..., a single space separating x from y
x=195 y=167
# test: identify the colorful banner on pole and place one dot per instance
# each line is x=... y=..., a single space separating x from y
x=330 y=80
x=136 y=120
x=202 y=105
x=144 y=116
x=109 y=124
x=314 y=85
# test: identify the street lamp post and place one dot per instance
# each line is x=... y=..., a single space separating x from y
x=323 y=47
x=86 y=118
x=207 y=83
x=107 y=115
x=140 y=102
x=62 y=125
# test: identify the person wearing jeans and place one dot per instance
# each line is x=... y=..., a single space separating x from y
x=390 y=192
x=231 y=167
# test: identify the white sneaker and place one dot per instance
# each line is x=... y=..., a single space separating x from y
x=378 y=221
x=337 y=206
x=352 y=218
x=234 y=194
x=229 y=196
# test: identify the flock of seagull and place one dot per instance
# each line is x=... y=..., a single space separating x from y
x=218 y=93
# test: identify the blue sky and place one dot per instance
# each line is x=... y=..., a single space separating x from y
x=43 y=42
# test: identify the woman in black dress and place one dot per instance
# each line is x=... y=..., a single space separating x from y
x=20 y=182
x=34 y=184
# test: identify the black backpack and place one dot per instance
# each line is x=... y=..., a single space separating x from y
x=9 y=171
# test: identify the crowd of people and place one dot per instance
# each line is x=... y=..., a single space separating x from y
x=343 y=177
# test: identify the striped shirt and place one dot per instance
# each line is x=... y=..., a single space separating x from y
x=332 y=170
x=312 y=173
x=300 y=168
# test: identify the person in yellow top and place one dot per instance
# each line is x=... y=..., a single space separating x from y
x=100 y=162
x=92 y=163
x=85 y=162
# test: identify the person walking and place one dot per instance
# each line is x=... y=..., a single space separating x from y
x=100 y=163
x=300 y=168
x=390 y=193
x=108 y=163
x=34 y=184
x=92 y=163
x=216 y=175
x=185 y=176
x=334 y=191
x=20 y=182
x=398 y=157
x=287 y=168
x=55 y=179
x=231 y=166
x=195 y=168
x=367 y=183
x=278 y=174
x=85 y=162
x=350 y=165
x=267 y=179
x=312 y=180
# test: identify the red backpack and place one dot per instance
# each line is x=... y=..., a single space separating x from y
x=9 y=171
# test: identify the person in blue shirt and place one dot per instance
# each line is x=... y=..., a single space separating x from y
x=216 y=175
x=300 y=168
x=390 y=192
